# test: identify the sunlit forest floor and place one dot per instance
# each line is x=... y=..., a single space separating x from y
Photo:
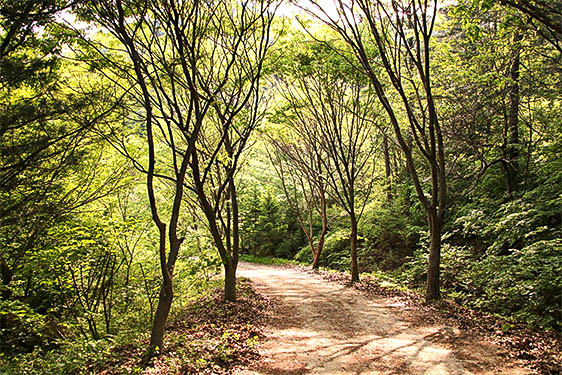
x=315 y=323
x=324 y=327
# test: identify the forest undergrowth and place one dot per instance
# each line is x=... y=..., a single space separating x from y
x=208 y=336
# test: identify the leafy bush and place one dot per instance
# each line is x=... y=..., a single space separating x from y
x=389 y=236
x=76 y=357
x=268 y=227
x=504 y=257
x=335 y=254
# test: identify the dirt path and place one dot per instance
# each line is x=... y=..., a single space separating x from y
x=321 y=327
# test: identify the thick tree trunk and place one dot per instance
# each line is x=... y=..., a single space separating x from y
x=229 y=282
x=353 y=247
x=433 y=270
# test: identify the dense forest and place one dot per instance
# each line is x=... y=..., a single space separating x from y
x=148 y=146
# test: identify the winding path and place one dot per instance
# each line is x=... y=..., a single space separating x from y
x=321 y=327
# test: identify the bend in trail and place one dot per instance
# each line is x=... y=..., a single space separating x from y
x=321 y=327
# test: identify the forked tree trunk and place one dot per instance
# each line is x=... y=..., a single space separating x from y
x=320 y=246
x=353 y=248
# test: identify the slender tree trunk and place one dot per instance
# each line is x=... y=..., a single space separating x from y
x=433 y=270
x=229 y=260
x=387 y=168
x=317 y=251
x=7 y=275
x=511 y=132
x=161 y=316
x=320 y=246
x=230 y=274
x=229 y=282
x=353 y=247
x=235 y=224
x=508 y=179
x=514 y=100
x=164 y=299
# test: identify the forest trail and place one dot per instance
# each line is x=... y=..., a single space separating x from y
x=321 y=327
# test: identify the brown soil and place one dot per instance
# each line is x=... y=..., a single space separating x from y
x=322 y=327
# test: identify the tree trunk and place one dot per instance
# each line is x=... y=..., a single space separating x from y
x=7 y=275
x=514 y=100
x=164 y=299
x=229 y=282
x=316 y=261
x=433 y=270
x=161 y=316
x=324 y=215
x=511 y=134
x=387 y=169
x=353 y=247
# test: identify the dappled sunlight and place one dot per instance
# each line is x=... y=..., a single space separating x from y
x=331 y=329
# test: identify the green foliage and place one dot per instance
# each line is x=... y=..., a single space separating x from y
x=76 y=357
x=269 y=260
x=526 y=284
x=335 y=254
x=390 y=233
x=79 y=264
x=505 y=257
x=268 y=227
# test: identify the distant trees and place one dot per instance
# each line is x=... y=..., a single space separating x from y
x=195 y=68
x=544 y=16
x=400 y=33
x=493 y=94
x=298 y=162
x=331 y=115
x=268 y=226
